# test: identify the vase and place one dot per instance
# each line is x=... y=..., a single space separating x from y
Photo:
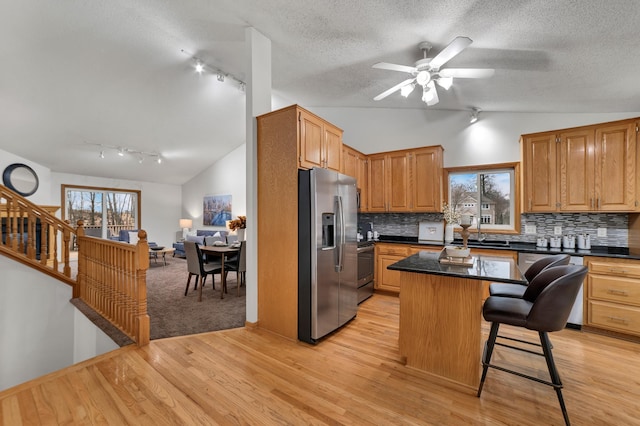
x=240 y=233
x=448 y=233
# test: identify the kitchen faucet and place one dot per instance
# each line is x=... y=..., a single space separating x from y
x=481 y=236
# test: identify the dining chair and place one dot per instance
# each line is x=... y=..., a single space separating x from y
x=239 y=264
x=544 y=308
x=197 y=267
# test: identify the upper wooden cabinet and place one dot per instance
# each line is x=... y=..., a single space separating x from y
x=539 y=168
x=586 y=169
x=354 y=163
x=406 y=181
x=320 y=142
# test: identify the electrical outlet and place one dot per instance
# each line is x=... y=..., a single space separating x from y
x=529 y=229
x=557 y=230
x=602 y=232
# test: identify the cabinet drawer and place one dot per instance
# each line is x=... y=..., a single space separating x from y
x=615 y=289
x=394 y=250
x=618 y=268
x=614 y=317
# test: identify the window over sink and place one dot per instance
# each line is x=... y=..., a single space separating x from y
x=489 y=193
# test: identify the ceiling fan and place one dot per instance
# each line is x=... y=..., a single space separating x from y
x=427 y=71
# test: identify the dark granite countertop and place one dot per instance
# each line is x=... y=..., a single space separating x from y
x=489 y=268
x=602 y=251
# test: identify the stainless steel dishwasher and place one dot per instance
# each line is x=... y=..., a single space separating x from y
x=575 y=317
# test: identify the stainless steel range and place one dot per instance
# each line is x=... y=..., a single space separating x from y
x=366 y=262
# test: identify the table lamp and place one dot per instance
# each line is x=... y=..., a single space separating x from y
x=185 y=224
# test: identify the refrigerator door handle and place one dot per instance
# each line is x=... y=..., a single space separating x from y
x=341 y=236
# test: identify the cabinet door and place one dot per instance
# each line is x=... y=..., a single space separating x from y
x=540 y=171
x=363 y=182
x=349 y=162
x=377 y=172
x=577 y=171
x=311 y=147
x=615 y=152
x=397 y=188
x=332 y=147
x=426 y=180
x=385 y=278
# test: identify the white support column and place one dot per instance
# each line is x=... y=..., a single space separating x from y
x=258 y=98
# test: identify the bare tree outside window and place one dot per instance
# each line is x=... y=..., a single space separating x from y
x=105 y=212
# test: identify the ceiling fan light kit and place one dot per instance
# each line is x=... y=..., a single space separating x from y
x=426 y=71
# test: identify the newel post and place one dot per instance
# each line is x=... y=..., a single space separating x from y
x=143 y=330
x=82 y=260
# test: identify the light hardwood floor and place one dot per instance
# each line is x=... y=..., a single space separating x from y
x=249 y=376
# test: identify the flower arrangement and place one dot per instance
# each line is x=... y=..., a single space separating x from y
x=239 y=223
x=450 y=215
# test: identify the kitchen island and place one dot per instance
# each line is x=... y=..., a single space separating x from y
x=441 y=313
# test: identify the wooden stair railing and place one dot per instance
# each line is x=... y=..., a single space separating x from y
x=111 y=275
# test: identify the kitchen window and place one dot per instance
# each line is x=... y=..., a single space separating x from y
x=488 y=193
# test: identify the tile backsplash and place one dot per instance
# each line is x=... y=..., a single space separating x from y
x=406 y=224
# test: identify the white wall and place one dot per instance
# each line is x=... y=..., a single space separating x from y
x=494 y=138
x=38 y=332
x=43 y=195
x=161 y=203
x=225 y=177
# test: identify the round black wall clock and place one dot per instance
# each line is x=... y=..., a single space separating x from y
x=21 y=179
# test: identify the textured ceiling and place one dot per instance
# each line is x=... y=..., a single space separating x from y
x=113 y=72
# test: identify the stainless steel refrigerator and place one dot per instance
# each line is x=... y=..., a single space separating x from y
x=327 y=252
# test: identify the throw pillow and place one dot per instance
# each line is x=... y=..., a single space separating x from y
x=196 y=239
x=133 y=237
x=192 y=233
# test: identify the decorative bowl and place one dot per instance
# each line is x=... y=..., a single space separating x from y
x=156 y=247
x=455 y=251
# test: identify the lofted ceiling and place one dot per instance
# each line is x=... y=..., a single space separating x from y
x=76 y=74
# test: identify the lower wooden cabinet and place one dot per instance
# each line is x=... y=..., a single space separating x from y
x=390 y=253
x=387 y=254
x=612 y=295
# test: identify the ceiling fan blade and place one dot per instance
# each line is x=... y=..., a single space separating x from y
x=456 y=46
x=467 y=72
x=435 y=99
x=394 y=67
x=393 y=89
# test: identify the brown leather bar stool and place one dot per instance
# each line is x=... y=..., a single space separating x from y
x=545 y=307
x=517 y=290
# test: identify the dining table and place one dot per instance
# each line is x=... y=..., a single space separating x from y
x=223 y=252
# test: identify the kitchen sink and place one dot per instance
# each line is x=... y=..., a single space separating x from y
x=488 y=243
x=492 y=243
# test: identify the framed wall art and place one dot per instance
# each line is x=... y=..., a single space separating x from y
x=216 y=210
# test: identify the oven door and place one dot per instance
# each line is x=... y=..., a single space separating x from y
x=365 y=264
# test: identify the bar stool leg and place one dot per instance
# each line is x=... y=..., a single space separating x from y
x=553 y=373
x=488 y=351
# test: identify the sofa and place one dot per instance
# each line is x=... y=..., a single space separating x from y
x=202 y=237
x=123 y=236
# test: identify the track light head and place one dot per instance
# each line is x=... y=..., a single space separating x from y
x=474 y=115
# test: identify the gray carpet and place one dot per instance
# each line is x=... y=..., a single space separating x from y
x=174 y=314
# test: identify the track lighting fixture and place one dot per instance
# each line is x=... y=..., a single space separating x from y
x=474 y=115
x=201 y=67
x=122 y=150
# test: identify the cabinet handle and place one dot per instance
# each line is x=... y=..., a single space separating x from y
x=617 y=292
x=617 y=271
x=591 y=203
x=618 y=320
x=598 y=203
x=529 y=203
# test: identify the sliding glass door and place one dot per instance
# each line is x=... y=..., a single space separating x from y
x=104 y=211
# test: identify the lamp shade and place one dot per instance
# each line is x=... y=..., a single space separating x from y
x=186 y=223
